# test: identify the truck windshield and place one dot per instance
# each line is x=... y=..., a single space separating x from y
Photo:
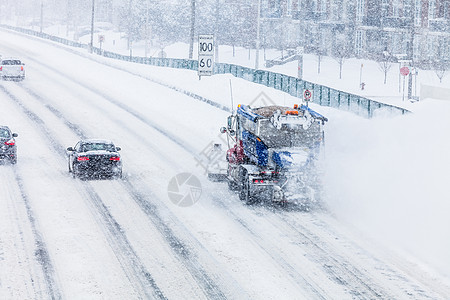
x=288 y=136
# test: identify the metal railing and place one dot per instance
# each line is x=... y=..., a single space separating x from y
x=322 y=95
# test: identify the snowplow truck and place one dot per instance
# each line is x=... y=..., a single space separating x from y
x=273 y=154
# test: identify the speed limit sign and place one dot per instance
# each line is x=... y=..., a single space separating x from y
x=307 y=95
x=205 y=55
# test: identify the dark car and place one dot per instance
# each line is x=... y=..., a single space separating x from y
x=95 y=158
x=8 y=147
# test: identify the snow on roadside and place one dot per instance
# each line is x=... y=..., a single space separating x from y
x=389 y=177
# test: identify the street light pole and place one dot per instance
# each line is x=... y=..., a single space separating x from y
x=191 y=44
x=42 y=16
x=258 y=29
x=91 y=47
x=411 y=46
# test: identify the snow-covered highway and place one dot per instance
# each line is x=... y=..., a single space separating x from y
x=124 y=239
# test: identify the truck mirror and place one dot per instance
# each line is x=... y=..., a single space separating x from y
x=229 y=122
x=232 y=132
x=223 y=130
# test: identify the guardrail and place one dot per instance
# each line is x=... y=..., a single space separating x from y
x=321 y=95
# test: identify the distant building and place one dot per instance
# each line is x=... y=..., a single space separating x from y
x=418 y=29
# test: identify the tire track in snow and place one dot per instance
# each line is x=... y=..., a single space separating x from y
x=347 y=272
x=337 y=267
x=22 y=236
x=41 y=252
x=180 y=248
x=123 y=250
x=316 y=291
x=128 y=258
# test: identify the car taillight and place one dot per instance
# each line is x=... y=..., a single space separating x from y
x=1 y=68
x=82 y=158
x=11 y=142
x=114 y=158
x=21 y=68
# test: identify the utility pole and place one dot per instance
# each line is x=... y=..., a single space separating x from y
x=411 y=46
x=191 y=44
x=216 y=35
x=68 y=18
x=258 y=28
x=42 y=16
x=130 y=25
x=146 y=28
x=91 y=47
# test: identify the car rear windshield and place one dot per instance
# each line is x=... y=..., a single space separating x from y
x=4 y=133
x=11 y=62
x=97 y=146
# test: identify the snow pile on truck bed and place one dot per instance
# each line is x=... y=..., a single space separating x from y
x=269 y=111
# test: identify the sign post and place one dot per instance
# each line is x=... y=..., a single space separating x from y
x=307 y=95
x=205 y=55
x=404 y=71
x=400 y=60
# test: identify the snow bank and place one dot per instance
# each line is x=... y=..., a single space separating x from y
x=390 y=177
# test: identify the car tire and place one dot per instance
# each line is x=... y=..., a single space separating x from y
x=118 y=175
x=74 y=173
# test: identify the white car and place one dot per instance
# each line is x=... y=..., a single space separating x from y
x=12 y=68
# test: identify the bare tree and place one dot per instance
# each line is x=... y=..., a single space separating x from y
x=441 y=69
x=384 y=64
x=341 y=54
x=320 y=53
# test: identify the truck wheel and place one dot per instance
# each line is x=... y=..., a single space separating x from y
x=244 y=193
x=242 y=177
x=232 y=186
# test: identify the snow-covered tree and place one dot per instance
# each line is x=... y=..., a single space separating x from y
x=385 y=63
x=341 y=53
x=441 y=69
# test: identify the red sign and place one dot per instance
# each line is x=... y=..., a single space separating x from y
x=404 y=71
x=307 y=95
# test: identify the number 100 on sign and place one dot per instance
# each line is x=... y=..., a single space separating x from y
x=205 y=55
